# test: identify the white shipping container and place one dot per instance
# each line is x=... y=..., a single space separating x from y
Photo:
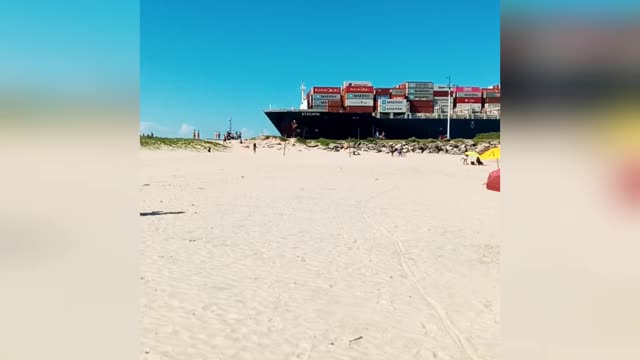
x=359 y=96
x=420 y=85
x=469 y=94
x=420 y=97
x=492 y=94
x=392 y=109
x=356 y=83
x=441 y=100
x=441 y=87
x=492 y=106
x=359 y=102
x=393 y=102
x=320 y=102
x=420 y=91
x=326 y=96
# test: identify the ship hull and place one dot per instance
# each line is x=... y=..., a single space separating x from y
x=343 y=125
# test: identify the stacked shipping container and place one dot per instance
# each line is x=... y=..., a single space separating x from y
x=357 y=97
x=441 y=99
x=325 y=99
x=415 y=97
x=420 y=96
x=468 y=98
x=491 y=99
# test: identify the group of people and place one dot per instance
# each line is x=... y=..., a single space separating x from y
x=196 y=134
x=380 y=136
x=230 y=136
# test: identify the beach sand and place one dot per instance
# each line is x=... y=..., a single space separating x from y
x=315 y=255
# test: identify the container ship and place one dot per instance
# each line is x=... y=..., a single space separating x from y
x=419 y=109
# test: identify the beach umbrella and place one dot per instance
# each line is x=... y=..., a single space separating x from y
x=493 y=181
x=491 y=154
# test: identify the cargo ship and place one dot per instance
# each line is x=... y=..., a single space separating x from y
x=419 y=109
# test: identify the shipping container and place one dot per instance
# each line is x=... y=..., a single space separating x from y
x=468 y=106
x=459 y=89
x=320 y=102
x=468 y=100
x=382 y=91
x=359 y=102
x=397 y=92
x=359 y=109
x=420 y=91
x=492 y=94
x=327 y=96
x=392 y=109
x=325 y=90
x=441 y=88
x=358 y=89
x=399 y=102
x=398 y=96
x=440 y=93
x=356 y=83
x=421 y=107
x=379 y=97
x=337 y=103
x=492 y=100
x=419 y=84
x=468 y=94
x=359 y=96
x=492 y=106
x=420 y=97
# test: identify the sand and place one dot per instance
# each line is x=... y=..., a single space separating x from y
x=315 y=255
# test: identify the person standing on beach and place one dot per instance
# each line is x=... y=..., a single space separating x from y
x=194 y=133
x=198 y=135
x=254 y=147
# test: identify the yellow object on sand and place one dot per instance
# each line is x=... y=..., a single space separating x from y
x=491 y=154
x=472 y=154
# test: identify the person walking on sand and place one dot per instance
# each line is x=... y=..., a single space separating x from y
x=254 y=147
x=198 y=135
x=194 y=133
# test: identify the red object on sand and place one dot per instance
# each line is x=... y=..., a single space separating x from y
x=493 y=181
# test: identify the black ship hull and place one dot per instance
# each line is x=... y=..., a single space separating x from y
x=311 y=124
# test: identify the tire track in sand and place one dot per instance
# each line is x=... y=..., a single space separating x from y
x=453 y=332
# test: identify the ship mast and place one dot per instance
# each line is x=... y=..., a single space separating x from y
x=303 y=99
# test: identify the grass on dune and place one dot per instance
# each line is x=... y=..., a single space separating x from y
x=159 y=143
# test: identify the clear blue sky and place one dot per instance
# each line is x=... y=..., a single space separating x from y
x=202 y=62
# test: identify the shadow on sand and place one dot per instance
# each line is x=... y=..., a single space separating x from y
x=156 y=213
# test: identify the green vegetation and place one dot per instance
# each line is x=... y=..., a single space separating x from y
x=324 y=142
x=282 y=138
x=413 y=140
x=301 y=141
x=158 y=143
x=487 y=136
x=458 y=141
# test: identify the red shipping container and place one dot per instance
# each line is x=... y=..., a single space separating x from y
x=334 y=109
x=337 y=103
x=383 y=91
x=421 y=109
x=325 y=90
x=359 y=109
x=398 y=97
x=492 y=100
x=441 y=93
x=477 y=100
x=358 y=89
x=422 y=102
x=467 y=89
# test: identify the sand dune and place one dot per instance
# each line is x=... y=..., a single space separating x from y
x=315 y=255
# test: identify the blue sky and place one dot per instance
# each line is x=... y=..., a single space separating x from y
x=202 y=62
